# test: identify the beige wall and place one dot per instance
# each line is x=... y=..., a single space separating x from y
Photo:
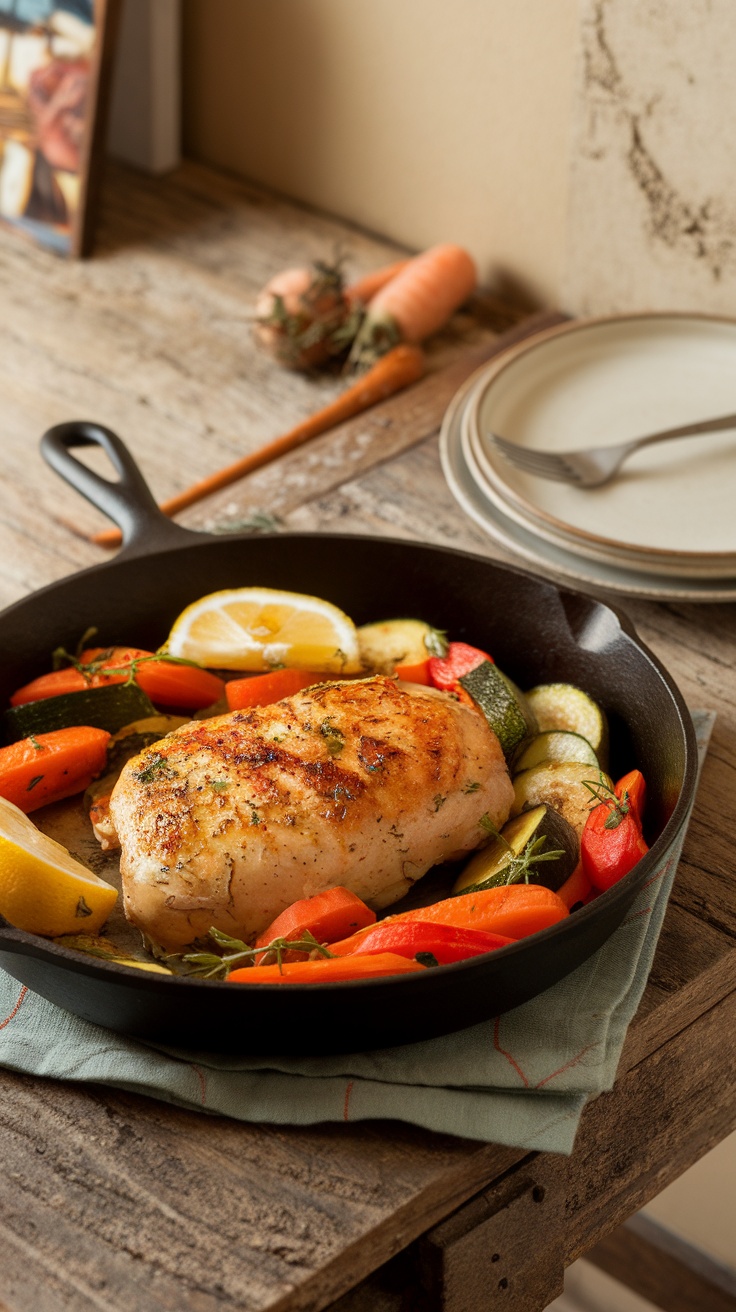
x=424 y=120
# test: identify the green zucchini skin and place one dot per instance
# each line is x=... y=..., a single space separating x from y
x=109 y=707
x=489 y=867
x=504 y=706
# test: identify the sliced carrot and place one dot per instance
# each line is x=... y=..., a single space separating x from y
x=576 y=888
x=166 y=682
x=514 y=910
x=51 y=766
x=263 y=689
x=328 y=916
x=414 y=673
x=326 y=970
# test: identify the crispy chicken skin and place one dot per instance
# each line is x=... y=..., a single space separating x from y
x=362 y=783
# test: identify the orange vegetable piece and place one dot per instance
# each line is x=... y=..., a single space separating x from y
x=51 y=766
x=326 y=970
x=166 y=682
x=414 y=673
x=417 y=302
x=328 y=916
x=514 y=910
x=576 y=888
x=263 y=689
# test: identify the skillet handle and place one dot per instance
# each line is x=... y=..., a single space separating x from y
x=127 y=500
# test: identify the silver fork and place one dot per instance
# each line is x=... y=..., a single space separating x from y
x=591 y=467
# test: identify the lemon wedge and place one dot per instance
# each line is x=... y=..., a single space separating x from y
x=42 y=888
x=262 y=628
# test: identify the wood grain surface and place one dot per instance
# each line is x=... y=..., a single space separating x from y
x=112 y=1202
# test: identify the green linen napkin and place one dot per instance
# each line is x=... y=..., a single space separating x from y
x=522 y=1078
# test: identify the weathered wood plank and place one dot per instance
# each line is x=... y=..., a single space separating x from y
x=152 y=337
x=141 y=1204
x=662 y=1116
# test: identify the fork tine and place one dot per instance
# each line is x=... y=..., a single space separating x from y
x=524 y=455
x=545 y=464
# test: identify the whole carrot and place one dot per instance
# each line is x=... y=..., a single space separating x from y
x=416 y=303
x=364 y=289
x=398 y=369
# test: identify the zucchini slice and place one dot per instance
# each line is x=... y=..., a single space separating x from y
x=490 y=867
x=109 y=707
x=556 y=745
x=389 y=643
x=563 y=706
x=503 y=704
x=560 y=785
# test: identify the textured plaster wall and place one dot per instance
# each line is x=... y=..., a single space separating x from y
x=652 y=218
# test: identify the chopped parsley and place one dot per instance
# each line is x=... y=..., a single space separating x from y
x=157 y=766
x=334 y=737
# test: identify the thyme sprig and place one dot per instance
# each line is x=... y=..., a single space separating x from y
x=602 y=794
x=211 y=965
x=518 y=869
x=89 y=669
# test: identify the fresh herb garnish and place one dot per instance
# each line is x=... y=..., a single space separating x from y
x=209 y=965
x=603 y=795
x=518 y=868
x=472 y=788
x=439 y=801
x=156 y=767
x=334 y=737
x=35 y=744
x=35 y=780
x=488 y=826
x=219 y=785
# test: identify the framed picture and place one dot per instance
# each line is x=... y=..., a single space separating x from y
x=55 y=59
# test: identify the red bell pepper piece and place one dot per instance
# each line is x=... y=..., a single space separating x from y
x=461 y=658
x=445 y=943
x=612 y=841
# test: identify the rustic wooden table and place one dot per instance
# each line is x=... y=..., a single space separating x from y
x=114 y=1202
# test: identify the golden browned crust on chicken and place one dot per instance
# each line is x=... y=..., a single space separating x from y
x=361 y=783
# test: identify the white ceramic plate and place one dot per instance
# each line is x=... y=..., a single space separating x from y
x=604 y=381
x=650 y=563
x=550 y=558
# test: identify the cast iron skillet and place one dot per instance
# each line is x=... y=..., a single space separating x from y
x=537 y=632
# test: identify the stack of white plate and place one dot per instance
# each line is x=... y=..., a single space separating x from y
x=666 y=526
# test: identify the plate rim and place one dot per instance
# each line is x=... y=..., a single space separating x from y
x=634 y=586
x=709 y=559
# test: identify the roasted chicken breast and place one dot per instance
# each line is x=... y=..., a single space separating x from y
x=363 y=783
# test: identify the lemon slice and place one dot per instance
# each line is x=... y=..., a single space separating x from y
x=261 y=628
x=42 y=888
